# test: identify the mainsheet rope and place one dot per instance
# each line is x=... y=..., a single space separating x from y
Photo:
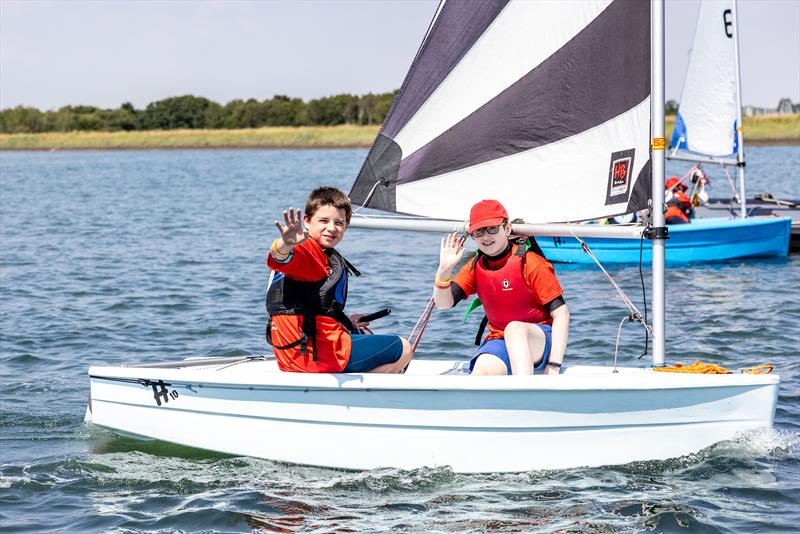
x=422 y=322
x=713 y=369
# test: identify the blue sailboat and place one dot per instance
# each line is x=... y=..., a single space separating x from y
x=707 y=131
x=708 y=239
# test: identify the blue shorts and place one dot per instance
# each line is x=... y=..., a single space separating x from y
x=498 y=348
x=370 y=351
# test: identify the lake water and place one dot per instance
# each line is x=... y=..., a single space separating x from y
x=113 y=257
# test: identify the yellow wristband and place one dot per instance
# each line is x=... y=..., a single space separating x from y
x=277 y=253
x=442 y=284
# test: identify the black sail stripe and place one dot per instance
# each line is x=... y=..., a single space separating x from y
x=459 y=24
x=599 y=74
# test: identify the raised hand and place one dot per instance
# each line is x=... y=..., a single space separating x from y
x=292 y=231
x=450 y=253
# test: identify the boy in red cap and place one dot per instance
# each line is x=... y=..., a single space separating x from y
x=526 y=313
x=308 y=329
x=679 y=207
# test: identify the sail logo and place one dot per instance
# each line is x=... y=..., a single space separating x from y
x=619 y=177
x=620 y=170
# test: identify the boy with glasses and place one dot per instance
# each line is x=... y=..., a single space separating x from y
x=527 y=317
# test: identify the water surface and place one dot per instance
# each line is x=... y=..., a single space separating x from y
x=114 y=257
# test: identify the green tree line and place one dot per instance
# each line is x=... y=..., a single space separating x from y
x=190 y=112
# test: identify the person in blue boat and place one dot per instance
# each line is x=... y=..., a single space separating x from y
x=679 y=207
x=527 y=316
x=308 y=328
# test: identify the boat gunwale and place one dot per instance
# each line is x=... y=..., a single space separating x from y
x=580 y=379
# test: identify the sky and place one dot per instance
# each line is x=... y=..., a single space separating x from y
x=104 y=53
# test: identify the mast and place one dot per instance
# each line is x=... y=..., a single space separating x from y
x=739 y=137
x=658 y=143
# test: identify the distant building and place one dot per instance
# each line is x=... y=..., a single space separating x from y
x=785 y=106
x=752 y=111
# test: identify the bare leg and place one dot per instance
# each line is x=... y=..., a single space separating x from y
x=489 y=364
x=398 y=366
x=525 y=343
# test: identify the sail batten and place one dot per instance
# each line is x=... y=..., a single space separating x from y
x=558 y=133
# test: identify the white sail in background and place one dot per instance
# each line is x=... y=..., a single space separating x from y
x=515 y=100
x=707 y=117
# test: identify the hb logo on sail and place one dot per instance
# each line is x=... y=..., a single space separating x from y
x=619 y=176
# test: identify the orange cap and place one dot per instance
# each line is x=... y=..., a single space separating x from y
x=671 y=183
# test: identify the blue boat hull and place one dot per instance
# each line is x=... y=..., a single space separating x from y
x=706 y=239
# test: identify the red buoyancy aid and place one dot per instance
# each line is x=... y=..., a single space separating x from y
x=675 y=211
x=505 y=295
x=678 y=206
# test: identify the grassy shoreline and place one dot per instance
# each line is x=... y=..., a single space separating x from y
x=776 y=129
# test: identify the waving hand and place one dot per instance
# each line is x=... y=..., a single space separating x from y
x=450 y=253
x=292 y=231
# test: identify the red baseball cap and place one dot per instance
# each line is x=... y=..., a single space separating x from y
x=670 y=184
x=486 y=213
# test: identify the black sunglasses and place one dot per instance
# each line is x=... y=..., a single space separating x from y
x=491 y=230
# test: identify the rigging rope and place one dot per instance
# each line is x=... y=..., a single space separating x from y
x=685 y=176
x=423 y=321
x=712 y=369
x=371 y=192
x=644 y=297
x=735 y=198
x=635 y=314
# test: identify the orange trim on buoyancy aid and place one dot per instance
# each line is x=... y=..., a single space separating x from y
x=674 y=211
x=505 y=295
x=326 y=297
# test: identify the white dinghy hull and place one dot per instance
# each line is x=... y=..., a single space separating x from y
x=587 y=416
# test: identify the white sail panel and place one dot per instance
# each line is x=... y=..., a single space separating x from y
x=522 y=36
x=551 y=183
x=482 y=110
x=706 y=121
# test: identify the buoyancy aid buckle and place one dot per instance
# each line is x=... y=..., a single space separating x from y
x=302 y=341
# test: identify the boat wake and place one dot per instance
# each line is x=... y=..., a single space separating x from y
x=770 y=442
x=387 y=480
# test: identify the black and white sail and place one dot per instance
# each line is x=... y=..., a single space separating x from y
x=544 y=106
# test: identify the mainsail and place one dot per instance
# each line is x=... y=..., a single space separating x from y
x=544 y=106
x=709 y=109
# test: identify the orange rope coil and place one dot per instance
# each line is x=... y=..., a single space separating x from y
x=712 y=369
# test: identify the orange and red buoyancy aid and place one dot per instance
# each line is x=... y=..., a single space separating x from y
x=679 y=208
x=309 y=300
x=505 y=295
